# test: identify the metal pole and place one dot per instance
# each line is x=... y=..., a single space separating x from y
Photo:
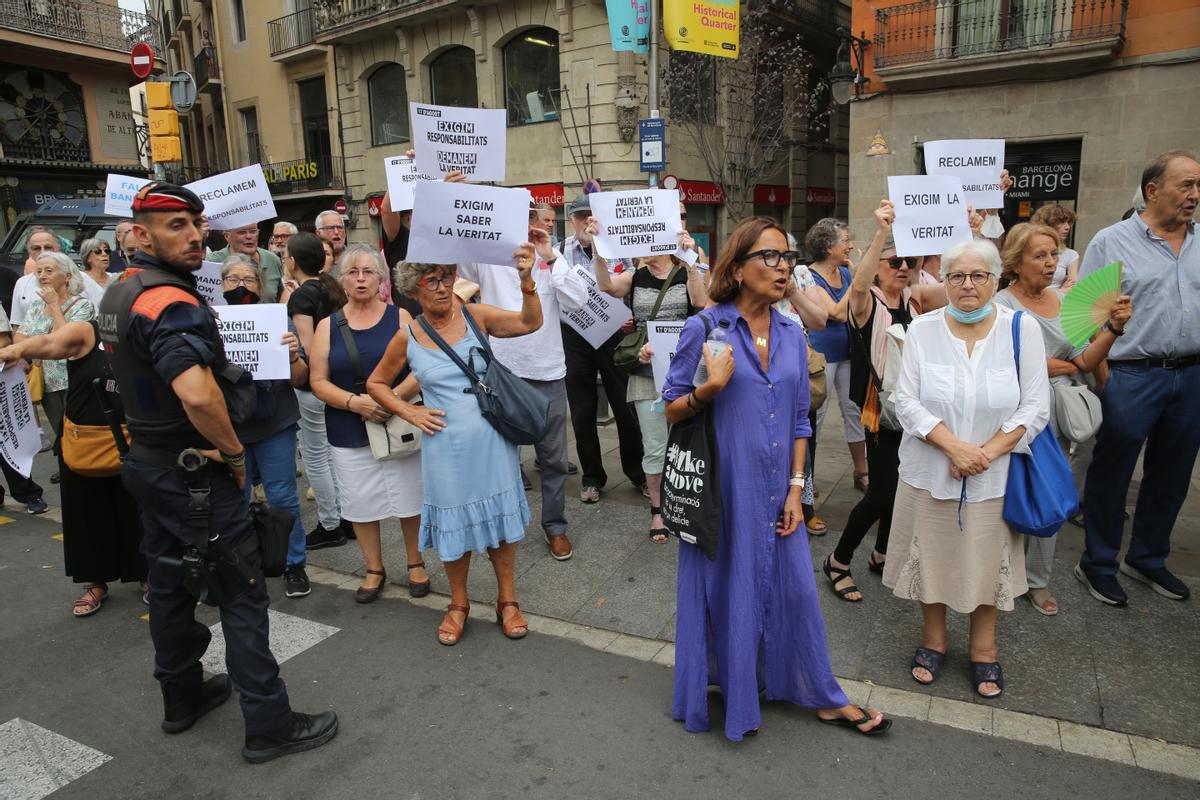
x=652 y=70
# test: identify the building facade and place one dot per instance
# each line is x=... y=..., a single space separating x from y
x=1084 y=93
x=66 y=119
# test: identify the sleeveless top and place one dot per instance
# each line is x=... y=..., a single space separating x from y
x=346 y=428
x=834 y=341
x=82 y=405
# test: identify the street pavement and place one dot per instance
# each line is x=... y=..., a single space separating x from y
x=1107 y=694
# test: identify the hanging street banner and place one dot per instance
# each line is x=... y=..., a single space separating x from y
x=20 y=438
x=642 y=222
x=253 y=336
x=600 y=317
x=236 y=198
x=710 y=27
x=119 y=194
x=208 y=282
x=470 y=140
x=458 y=223
x=629 y=24
x=977 y=162
x=664 y=339
x=931 y=214
x=402 y=176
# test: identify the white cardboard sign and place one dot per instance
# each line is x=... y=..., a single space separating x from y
x=402 y=176
x=977 y=162
x=931 y=214
x=20 y=438
x=470 y=140
x=643 y=222
x=460 y=223
x=119 y=194
x=236 y=198
x=600 y=317
x=664 y=340
x=252 y=335
x=208 y=282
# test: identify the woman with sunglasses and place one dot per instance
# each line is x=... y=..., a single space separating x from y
x=96 y=254
x=882 y=294
x=750 y=618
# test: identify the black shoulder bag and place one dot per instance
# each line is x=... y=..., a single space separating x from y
x=625 y=356
x=515 y=409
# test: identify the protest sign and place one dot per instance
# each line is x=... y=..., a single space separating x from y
x=252 y=335
x=664 y=339
x=237 y=198
x=470 y=140
x=600 y=317
x=629 y=25
x=402 y=176
x=643 y=222
x=976 y=162
x=459 y=223
x=20 y=438
x=931 y=214
x=119 y=194
x=208 y=283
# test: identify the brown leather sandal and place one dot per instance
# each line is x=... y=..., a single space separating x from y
x=364 y=595
x=450 y=632
x=515 y=627
x=418 y=589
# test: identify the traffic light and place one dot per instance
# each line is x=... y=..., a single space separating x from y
x=164 y=123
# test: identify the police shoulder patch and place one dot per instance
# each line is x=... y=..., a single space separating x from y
x=153 y=302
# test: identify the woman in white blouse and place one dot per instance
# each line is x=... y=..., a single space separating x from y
x=963 y=411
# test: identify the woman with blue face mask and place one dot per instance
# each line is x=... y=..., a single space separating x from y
x=964 y=407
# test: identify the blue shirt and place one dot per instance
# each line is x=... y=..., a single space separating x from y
x=834 y=341
x=1165 y=288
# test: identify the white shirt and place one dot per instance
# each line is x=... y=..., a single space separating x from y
x=92 y=290
x=24 y=293
x=1065 y=259
x=4 y=326
x=537 y=356
x=975 y=396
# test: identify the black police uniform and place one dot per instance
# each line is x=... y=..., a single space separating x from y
x=155 y=327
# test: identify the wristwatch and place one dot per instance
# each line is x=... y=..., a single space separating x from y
x=1108 y=326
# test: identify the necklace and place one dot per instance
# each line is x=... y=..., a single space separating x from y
x=760 y=341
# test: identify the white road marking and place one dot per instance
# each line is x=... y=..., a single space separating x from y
x=38 y=762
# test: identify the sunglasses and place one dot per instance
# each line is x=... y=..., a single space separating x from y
x=771 y=258
x=895 y=262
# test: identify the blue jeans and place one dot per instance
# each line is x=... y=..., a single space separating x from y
x=275 y=460
x=1155 y=407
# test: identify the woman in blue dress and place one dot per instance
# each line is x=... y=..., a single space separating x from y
x=750 y=619
x=474 y=498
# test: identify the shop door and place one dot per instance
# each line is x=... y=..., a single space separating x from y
x=1043 y=173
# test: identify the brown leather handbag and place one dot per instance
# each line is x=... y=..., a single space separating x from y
x=90 y=450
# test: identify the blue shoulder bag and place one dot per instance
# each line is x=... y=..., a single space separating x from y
x=1040 y=495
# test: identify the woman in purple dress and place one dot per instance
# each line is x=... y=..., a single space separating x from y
x=750 y=620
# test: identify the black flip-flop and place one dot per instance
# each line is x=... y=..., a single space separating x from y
x=853 y=724
x=835 y=574
x=926 y=659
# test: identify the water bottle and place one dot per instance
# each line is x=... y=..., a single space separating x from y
x=717 y=342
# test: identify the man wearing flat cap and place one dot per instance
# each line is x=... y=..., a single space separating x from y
x=179 y=391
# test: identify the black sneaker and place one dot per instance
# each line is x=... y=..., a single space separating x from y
x=295 y=581
x=525 y=480
x=304 y=732
x=1160 y=580
x=1105 y=588
x=321 y=536
x=215 y=691
x=347 y=529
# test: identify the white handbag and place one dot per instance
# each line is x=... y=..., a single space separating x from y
x=1077 y=411
x=394 y=438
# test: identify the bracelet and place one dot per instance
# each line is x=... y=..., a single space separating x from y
x=236 y=461
x=529 y=291
x=795 y=475
x=796 y=481
x=1108 y=326
x=348 y=399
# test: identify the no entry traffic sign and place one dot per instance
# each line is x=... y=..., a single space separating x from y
x=141 y=58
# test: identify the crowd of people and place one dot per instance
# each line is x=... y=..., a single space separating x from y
x=382 y=348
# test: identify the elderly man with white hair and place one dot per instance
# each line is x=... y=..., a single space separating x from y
x=330 y=226
x=244 y=240
x=280 y=234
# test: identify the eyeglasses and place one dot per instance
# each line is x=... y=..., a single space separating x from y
x=235 y=280
x=771 y=258
x=332 y=228
x=683 y=217
x=430 y=282
x=896 y=262
x=281 y=238
x=959 y=278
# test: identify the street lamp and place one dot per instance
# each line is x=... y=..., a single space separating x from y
x=845 y=80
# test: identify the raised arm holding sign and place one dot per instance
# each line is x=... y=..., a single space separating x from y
x=458 y=223
x=931 y=214
x=402 y=176
x=469 y=140
x=643 y=222
x=978 y=163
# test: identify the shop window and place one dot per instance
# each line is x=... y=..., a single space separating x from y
x=452 y=78
x=387 y=95
x=531 y=77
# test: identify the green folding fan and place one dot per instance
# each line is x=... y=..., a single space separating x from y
x=1088 y=303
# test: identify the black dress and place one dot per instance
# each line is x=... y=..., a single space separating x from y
x=102 y=529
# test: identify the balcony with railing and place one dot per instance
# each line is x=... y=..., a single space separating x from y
x=347 y=20
x=292 y=37
x=960 y=41
x=304 y=176
x=87 y=22
x=206 y=70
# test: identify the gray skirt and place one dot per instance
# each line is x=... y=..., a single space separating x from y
x=930 y=560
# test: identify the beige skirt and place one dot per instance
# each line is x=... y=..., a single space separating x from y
x=930 y=560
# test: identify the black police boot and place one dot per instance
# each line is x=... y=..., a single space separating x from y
x=304 y=732
x=179 y=716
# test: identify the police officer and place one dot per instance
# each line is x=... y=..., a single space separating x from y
x=166 y=354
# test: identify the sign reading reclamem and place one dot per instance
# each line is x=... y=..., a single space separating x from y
x=253 y=336
x=600 y=317
x=977 y=162
x=663 y=338
x=470 y=140
x=402 y=176
x=20 y=438
x=931 y=214
x=208 y=282
x=643 y=222
x=236 y=198
x=455 y=223
x=119 y=194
